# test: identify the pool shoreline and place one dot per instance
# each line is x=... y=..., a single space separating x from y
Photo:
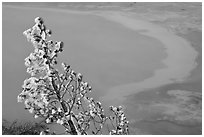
x=146 y=61
x=178 y=50
x=167 y=75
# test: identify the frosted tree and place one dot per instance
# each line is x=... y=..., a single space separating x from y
x=62 y=97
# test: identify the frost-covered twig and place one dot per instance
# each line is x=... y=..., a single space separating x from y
x=61 y=97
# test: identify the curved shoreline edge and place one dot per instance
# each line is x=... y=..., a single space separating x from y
x=179 y=62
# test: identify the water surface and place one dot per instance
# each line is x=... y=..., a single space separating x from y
x=106 y=53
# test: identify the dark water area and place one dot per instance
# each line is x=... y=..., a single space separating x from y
x=103 y=51
x=108 y=55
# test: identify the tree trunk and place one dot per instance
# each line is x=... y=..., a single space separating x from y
x=72 y=127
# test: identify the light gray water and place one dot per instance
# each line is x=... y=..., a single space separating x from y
x=106 y=53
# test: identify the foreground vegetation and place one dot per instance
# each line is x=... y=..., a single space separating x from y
x=62 y=97
x=21 y=128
